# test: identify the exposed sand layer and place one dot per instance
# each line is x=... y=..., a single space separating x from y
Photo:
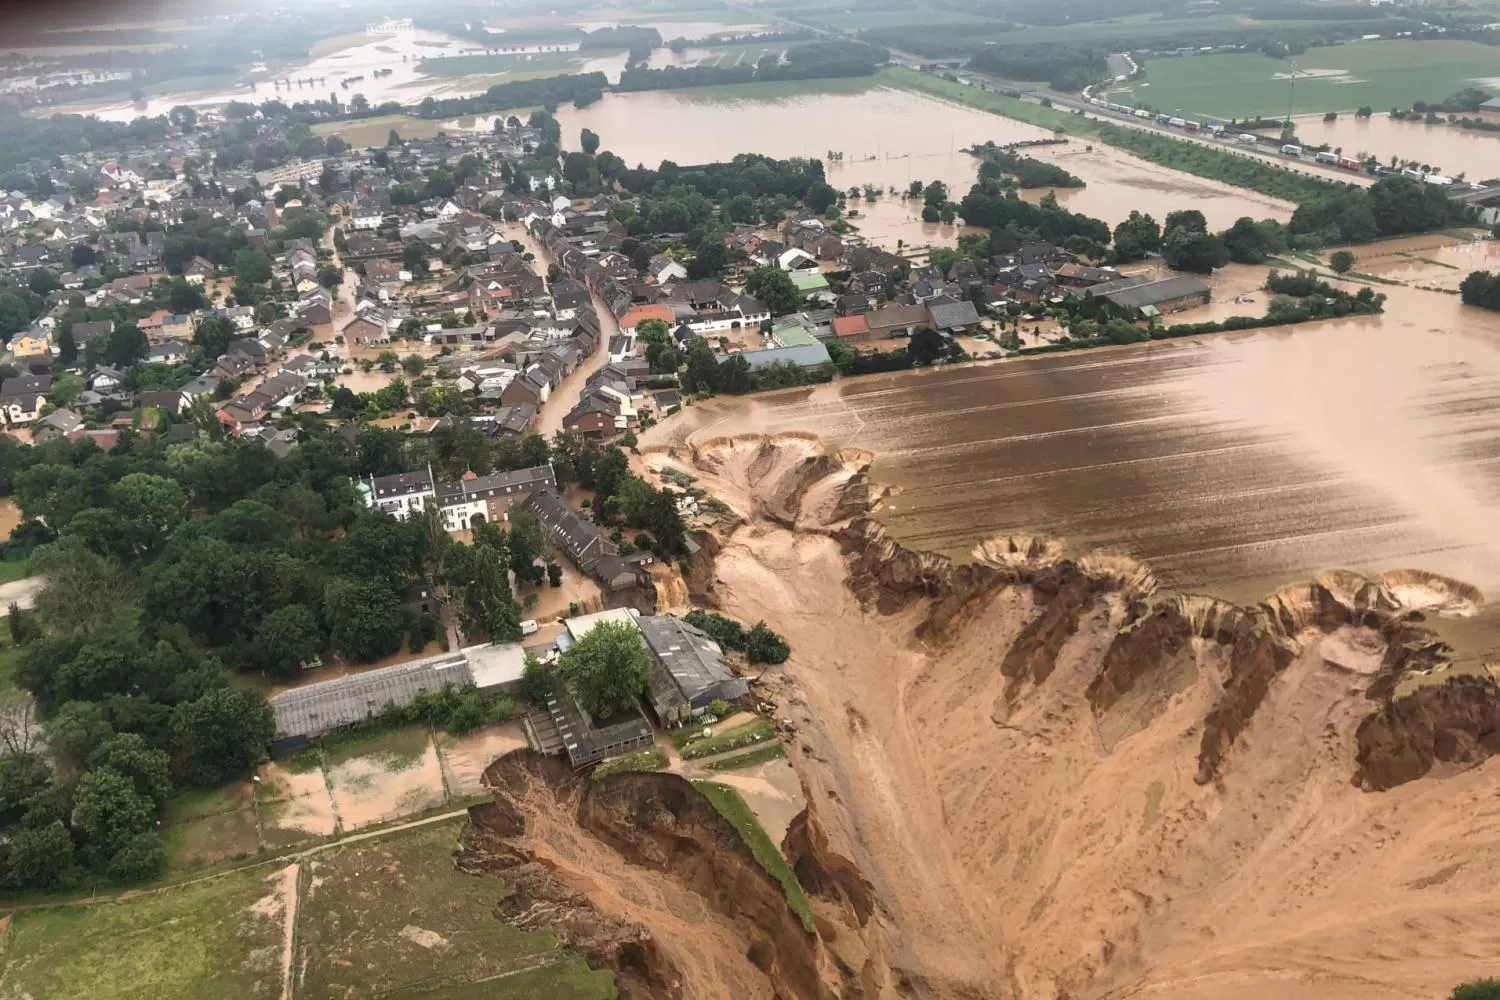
x=1059 y=786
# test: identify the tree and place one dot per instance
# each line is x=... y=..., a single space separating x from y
x=252 y=266
x=413 y=364
x=76 y=730
x=1481 y=288
x=526 y=543
x=330 y=276
x=926 y=345
x=185 y=298
x=536 y=682
x=214 y=335
x=111 y=814
x=588 y=141
x=1136 y=237
x=607 y=669
x=1342 y=261
x=1188 y=218
x=711 y=258
x=774 y=288
x=40 y=858
x=154 y=505
x=1200 y=253
x=147 y=767
x=364 y=618
x=287 y=638
x=223 y=733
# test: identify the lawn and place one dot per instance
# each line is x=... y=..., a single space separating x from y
x=374 y=131
x=744 y=760
x=397 y=749
x=390 y=917
x=1382 y=74
x=731 y=739
x=647 y=760
x=203 y=825
x=208 y=939
x=500 y=65
x=733 y=808
x=14 y=569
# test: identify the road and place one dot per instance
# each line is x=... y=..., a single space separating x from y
x=570 y=389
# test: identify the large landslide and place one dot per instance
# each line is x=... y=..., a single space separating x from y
x=1058 y=783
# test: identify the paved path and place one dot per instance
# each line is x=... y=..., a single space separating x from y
x=19 y=592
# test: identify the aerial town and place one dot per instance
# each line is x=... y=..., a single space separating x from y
x=773 y=501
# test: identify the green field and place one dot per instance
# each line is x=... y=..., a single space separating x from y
x=731 y=55
x=204 y=940
x=550 y=63
x=418 y=928
x=1382 y=74
x=743 y=760
x=846 y=19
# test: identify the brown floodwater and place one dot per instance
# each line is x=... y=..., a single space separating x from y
x=888 y=139
x=1231 y=464
x=1451 y=150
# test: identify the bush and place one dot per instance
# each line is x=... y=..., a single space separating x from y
x=554 y=574
x=1342 y=261
x=1479 y=989
x=719 y=707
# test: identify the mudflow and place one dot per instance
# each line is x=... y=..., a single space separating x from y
x=1032 y=776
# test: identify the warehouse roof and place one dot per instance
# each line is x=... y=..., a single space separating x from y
x=328 y=705
x=1152 y=292
x=690 y=665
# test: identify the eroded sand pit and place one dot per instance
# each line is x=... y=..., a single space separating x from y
x=1060 y=786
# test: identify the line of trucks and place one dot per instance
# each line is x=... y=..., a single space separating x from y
x=1216 y=131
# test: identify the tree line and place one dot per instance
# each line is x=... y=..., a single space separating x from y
x=818 y=60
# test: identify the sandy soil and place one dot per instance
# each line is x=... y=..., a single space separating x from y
x=1023 y=846
x=465 y=758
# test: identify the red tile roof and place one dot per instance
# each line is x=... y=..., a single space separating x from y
x=849 y=326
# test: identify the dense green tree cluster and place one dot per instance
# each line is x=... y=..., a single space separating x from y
x=990 y=204
x=622 y=498
x=607 y=669
x=1026 y=171
x=545 y=92
x=1481 y=288
x=759 y=643
x=625 y=36
x=1062 y=66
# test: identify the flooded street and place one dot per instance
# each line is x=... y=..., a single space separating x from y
x=1231 y=464
x=1450 y=150
x=890 y=138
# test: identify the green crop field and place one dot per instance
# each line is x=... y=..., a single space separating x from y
x=1382 y=74
x=854 y=20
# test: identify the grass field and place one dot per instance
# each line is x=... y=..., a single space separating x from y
x=915 y=16
x=209 y=939
x=1382 y=74
x=733 y=808
x=647 y=760
x=500 y=65
x=390 y=917
x=730 y=739
x=743 y=760
x=11 y=570
x=731 y=55
x=10 y=658
x=375 y=131
x=984 y=100
x=779 y=90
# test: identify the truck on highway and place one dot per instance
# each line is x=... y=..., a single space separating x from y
x=1326 y=157
x=1249 y=138
x=1347 y=163
x=1176 y=122
x=1163 y=119
x=1141 y=113
x=1291 y=150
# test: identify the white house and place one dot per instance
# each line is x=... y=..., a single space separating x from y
x=401 y=495
x=795 y=261
x=664 y=269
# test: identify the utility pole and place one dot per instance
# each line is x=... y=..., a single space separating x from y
x=1290 y=90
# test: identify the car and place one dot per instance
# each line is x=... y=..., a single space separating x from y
x=529 y=626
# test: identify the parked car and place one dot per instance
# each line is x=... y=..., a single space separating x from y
x=529 y=626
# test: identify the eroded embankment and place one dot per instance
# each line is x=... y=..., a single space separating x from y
x=640 y=874
x=1063 y=784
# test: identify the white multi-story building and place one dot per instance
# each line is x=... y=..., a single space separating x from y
x=401 y=495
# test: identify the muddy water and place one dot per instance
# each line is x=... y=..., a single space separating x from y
x=1452 y=150
x=1232 y=464
x=888 y=139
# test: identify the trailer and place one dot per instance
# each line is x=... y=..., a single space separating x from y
x=1141 y=113
x=1176 y=122
x=1326 y=157
x=1163 y=119
x=1249 y=139
x=1291 y=150
x=1191 y=126
x=1349 y=164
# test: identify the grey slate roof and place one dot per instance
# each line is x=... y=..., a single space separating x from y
x=1152 y=292
x=953 y=315
x=689 y=666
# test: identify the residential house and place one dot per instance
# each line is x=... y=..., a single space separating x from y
x=1082 y=276
x=853 y=329
x=797 y=261
x=314 y=308
x=585 y=543
x=400 y=495
x=895 y=321
x=33 y=343
x=531 y=387
x=169 y=352
x=950 y=317
x=105 y=379
x=198 y=270
x=475 y=499
x=370 y=327
x=20 y=408
x=169 y=400
x=204 y=386
x=663 y=269
x=85 y=332
x=57 y=424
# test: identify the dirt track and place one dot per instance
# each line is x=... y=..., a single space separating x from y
x=1029 y=838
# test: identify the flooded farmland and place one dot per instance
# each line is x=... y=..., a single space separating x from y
x=1448 y=149
x=888 y=138
x=1231 y=464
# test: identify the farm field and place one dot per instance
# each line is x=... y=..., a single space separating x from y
x=374 y=131
x=853 y=20
x=732 y=55
x=1382 y=74
x=421 y=929
x=223 y=937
